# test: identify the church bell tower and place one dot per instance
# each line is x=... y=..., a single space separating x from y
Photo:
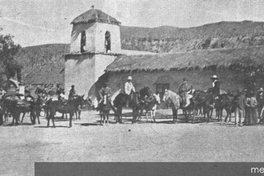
x=95 y=43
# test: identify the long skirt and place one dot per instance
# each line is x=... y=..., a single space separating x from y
x=250 y=116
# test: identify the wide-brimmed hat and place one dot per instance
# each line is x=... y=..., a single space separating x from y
x=129 y=78
x=261 y=89
x=184 y=79
x=214 y=77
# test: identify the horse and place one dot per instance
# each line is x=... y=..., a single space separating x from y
x=135 y=97
x=33 y=106
x=174 y=100
x=206 y=101
x=104 y=108
x=70 y=107
x=16 y=106
x=152 y=106
x=136 y=105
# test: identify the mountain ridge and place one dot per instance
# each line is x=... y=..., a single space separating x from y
x=162 y=39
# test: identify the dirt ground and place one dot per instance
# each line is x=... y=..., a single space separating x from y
x=162 y=141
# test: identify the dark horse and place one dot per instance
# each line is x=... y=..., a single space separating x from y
x=135 y=99
x=35 y=104
x=16 y=106
x=206 y=100
x=71 y=106
x=104 y=108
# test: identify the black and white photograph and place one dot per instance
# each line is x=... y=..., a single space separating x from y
x=130 y=81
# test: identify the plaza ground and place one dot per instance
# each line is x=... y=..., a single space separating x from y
x=88 y=141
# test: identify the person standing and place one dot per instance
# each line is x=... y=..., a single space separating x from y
x=260 y=100
x=250 y=110
x=240 y=109
x=128 y=88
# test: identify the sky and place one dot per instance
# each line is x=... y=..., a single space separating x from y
x=35 y=22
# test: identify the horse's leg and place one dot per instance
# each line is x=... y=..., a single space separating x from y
x=48 y=119
x=52 y=116
x=101 y=116
x=1 y=119
x=227 y=113
x=107 y=115
x=104 y=117
x=79 y=114
x=71 y=115
x=22 y=117
x=176 y=115
x=38 y=115
x=32 y=113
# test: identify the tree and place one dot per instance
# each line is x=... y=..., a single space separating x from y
x=9 y=67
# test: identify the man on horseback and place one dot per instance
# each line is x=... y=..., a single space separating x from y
x=72 y=93
x=183 y=90
x=105 y=91
x=216 y=86
x=58 y=90
x=128 y=88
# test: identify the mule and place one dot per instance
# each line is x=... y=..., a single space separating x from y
x=70 y=107
x=104 y=108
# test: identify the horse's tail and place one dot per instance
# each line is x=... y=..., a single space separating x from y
x=113 y=108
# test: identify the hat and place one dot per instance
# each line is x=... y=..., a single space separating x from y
x=184 y=79
x=129 y=78
x=106 y=83
x=214 y=77
x=261 y=89
x=72 y=86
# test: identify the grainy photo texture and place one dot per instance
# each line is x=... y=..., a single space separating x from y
x=130 y=81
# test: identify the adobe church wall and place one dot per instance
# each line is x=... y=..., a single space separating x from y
x=200 y=80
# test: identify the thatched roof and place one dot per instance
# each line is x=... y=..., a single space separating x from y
x=221 y=58
x=95 y=15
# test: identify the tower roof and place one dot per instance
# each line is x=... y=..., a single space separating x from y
x=95 y=15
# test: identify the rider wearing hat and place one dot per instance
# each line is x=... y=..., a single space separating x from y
x=72 y=92
x=105 y=90
x=128 y=88
x=216 y=85
x=183 y=89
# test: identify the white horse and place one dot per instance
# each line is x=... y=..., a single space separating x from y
x=152 y=112
x=174 y=101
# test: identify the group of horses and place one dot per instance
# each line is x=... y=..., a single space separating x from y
x=139 y=101
x=200 y=103
x=14 y=105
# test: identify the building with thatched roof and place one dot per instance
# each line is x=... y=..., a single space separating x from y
x=96 y=56
x=160 y=71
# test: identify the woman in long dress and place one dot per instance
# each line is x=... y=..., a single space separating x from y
x=250 y=110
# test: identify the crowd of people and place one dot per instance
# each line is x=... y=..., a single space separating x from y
x=249 y=106
x=249 y=109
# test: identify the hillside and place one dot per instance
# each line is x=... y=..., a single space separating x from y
x=210 y=36
x=44 y=63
